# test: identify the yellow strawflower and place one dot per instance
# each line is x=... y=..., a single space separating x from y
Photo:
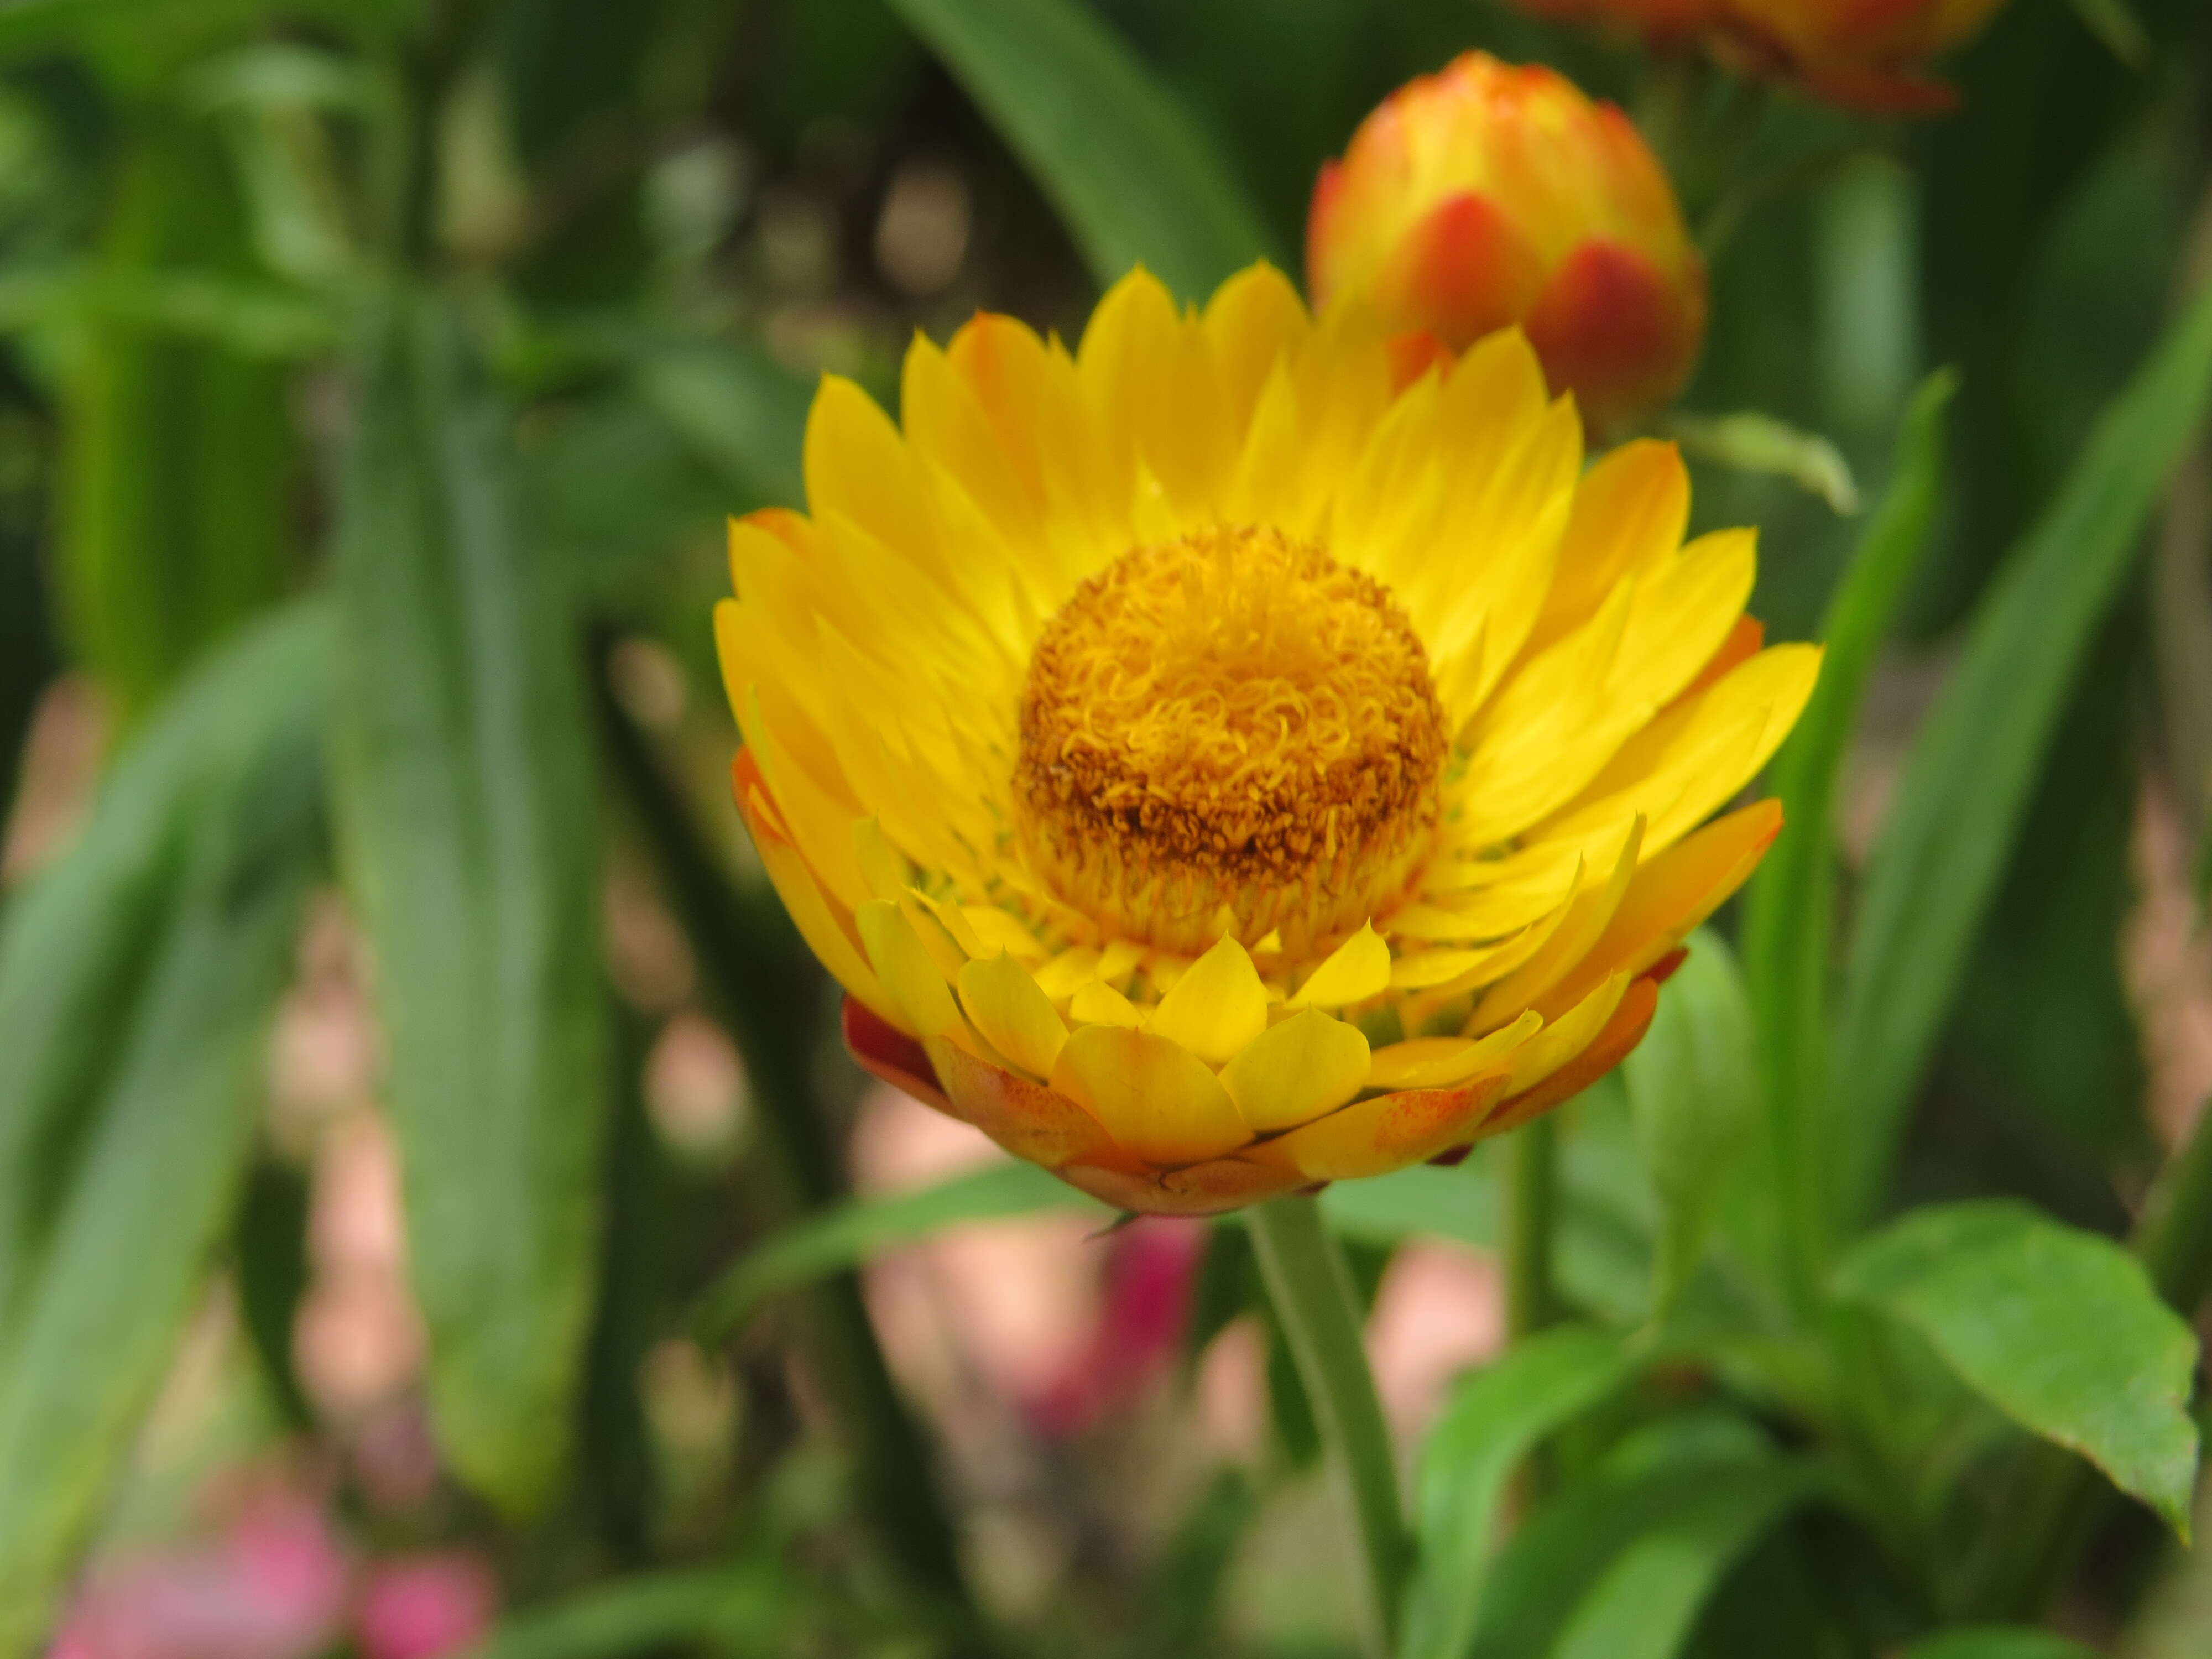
x=1212 y=768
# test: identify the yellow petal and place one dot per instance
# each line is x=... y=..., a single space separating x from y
x=1420 y=969
x=1067 y=972
x=1357 y=969
x=1000 y=930
x=945 y=952
x=1440 y=1062
x=810 y=912
x=1294 y=1071
x=882 y=866
x=1098 y=1003
x=1631 y=509
x=1155 y=1098
x=1565 y=1036
x=1586 y=920
x=1672 y=893
x=1215 y=1008
x=1014 y=1016
x=1254 y=322
x=905 y=968
x=1119 y=960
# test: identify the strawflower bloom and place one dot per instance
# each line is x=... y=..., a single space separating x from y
x=1211 y=771
x=1489 y=194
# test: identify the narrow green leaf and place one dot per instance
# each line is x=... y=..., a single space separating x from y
x=1996 y=1642
x=2114 y=22
x=468 y=821
x=1974 y=764
x=1646 y=1603
x=1789 y=911
x=860 y=1229
x=1493 y=1420
x=176 y=518
x=748 y=1606
x=1692 y=1088
x=2060 y=1329
x=1134 y=177
x=139 y=1159
x=1749 y=442
x=74 y=945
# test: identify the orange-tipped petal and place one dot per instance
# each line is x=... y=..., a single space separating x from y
x=892 y=1056
x=1028 y=1119
x=1374 y=1137
x=1209 y=1189
x=1630 y=1019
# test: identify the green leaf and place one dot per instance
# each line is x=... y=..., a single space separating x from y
x=1703 y=1475
x=75 y=943
x=176 y=513
x=1789 y=911
x=1748 y=441
x=748 y=1606
x=743 y=413
x=2059 y=1329
x=2114 y=22
x=1996 y=1642
x=1134 y=177
x=1646 y=1602
x=860 y=1229
x=1692 y=1088
x=1959 y=805
x=468 y=821
x=1493 y=1420
x=121 y=1165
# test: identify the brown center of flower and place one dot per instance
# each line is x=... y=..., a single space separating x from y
x=1229 y=722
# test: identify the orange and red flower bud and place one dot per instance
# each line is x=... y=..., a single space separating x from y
x=1488 y=195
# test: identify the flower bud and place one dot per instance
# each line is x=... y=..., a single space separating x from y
x=1489 y=195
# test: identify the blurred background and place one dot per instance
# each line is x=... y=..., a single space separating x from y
x=293 y=1368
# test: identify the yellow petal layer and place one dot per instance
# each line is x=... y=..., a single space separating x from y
x=1155 y=1098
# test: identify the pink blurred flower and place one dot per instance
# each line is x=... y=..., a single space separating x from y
x=425 y=1606
x=273 y=1586
x=1150 y=1269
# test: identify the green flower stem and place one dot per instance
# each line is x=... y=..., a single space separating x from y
x=1532 y=1155
x=1317 y=1307
x=763 y=985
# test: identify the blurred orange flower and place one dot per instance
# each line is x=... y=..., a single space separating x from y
x=1487 y=195
x=1864 y=54
x=1870 y=55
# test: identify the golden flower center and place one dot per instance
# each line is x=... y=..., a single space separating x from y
x=1228 y=731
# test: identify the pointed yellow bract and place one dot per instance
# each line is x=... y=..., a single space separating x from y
x=1117 y=834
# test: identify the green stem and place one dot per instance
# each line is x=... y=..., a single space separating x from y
x=763 y=986
x=1318 y=1308
x=1531 y=1203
